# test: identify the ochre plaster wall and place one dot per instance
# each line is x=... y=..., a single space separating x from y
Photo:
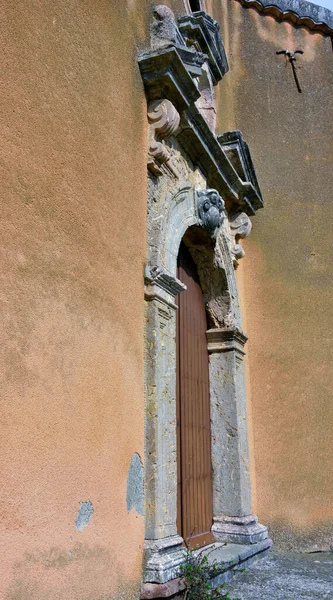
x=73 y=179
x=286 y=276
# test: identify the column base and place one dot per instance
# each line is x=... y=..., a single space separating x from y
x=239 y=530
x=163 y=558
x=229 y=558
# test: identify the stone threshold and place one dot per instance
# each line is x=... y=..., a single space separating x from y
x=230 y=557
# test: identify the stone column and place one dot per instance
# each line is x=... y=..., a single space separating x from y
x=163 y=546
x=232 y=502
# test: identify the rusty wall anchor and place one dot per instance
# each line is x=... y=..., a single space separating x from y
x=292 y=59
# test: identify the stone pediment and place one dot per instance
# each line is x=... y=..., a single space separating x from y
x=171 y=71
x=202 y=32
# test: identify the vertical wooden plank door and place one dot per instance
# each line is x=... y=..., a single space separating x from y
x=195 y=505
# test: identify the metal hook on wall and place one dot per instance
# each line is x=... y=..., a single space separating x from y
x=292 y=59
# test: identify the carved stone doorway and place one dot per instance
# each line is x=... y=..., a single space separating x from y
x=203 y=182
x=194 y=464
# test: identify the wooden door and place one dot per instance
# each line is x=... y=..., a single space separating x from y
x=195 y=506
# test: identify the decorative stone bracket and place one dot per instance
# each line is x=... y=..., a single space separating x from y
x=240 y=228
x=163 y=121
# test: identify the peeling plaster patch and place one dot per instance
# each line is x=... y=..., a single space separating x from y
x=84 y=515
x=134 y=496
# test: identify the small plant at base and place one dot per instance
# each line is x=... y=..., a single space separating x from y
x=198 y=573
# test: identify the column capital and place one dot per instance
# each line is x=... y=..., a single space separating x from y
x=161 y=285
x=226 y=339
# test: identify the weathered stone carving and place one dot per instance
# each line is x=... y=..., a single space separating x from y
x=163 y=558
x=240 y=228
x=202 y=33
x=163 y=121
x=210 y=209
x=178 y=164
x=164 y=32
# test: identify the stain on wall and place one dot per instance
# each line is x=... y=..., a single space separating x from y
x=84 y=515
x=134 y=495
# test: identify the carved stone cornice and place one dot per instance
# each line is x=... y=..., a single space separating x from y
x=210 y=208
x=239 y=155
x=204 y=149
x=226 y=340
x=240 y=228
x=166 y=74
x=170 y=71
x=161 y=285
x=200 y=30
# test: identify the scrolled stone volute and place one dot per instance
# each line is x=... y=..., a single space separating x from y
x=164 y=117
x=211 y=210
x=240 y=228
x=163 y=121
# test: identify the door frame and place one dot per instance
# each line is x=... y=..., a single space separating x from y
x=170 y=215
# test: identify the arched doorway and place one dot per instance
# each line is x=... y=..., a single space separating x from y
x=171 y=218
x=194 y=465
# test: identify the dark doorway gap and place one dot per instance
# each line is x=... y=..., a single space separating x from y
x=195 y=5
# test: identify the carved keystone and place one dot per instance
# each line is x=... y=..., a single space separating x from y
x=211 y=210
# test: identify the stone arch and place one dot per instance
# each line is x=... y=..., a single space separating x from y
x=168 y=223
x=169 y=219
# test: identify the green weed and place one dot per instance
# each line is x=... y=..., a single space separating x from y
x=198 y=573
